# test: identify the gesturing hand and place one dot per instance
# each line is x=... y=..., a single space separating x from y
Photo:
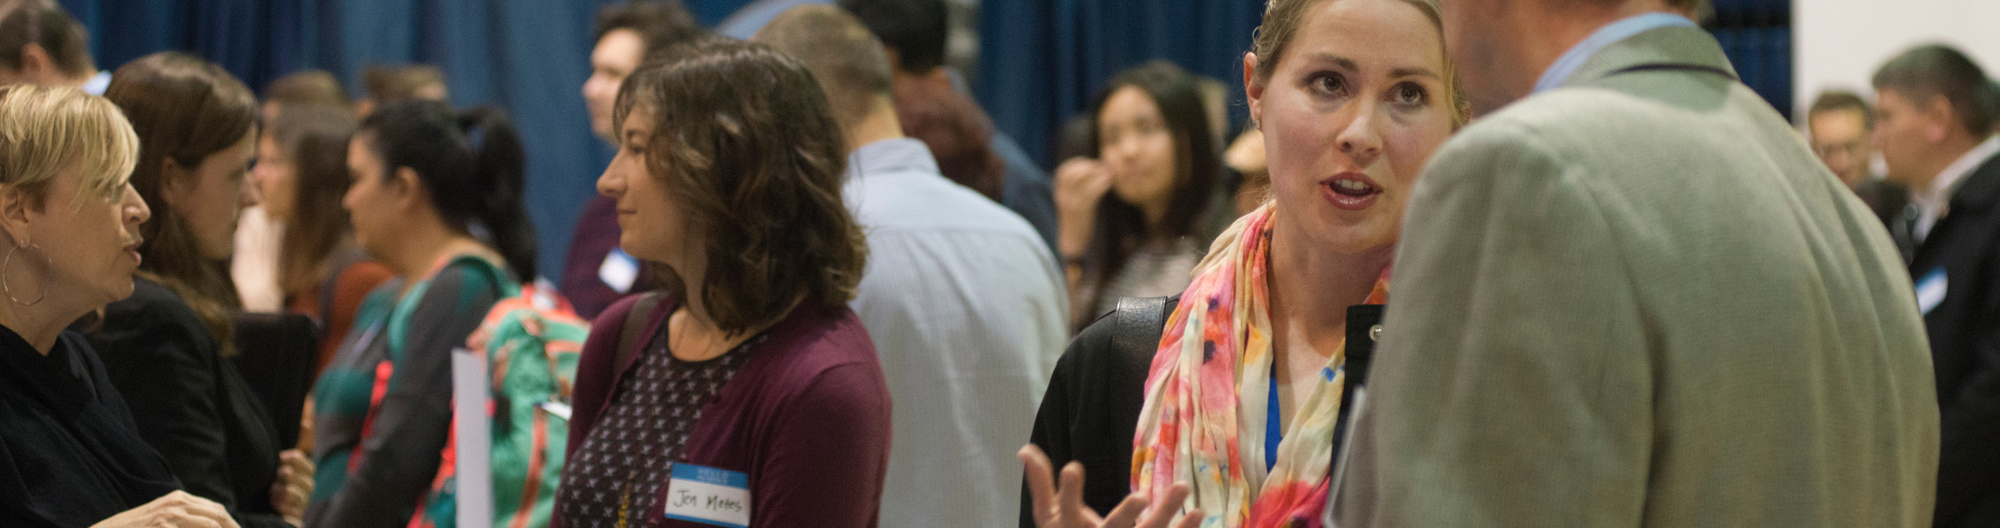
x=1079 y=184
x=293 y=487
x=1062 y=507
x=173 y=510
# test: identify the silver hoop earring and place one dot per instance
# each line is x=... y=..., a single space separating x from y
x=8 y=262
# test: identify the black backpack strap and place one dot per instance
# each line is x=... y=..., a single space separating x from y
x=629 y=336
x=1138 y=323
x=1364 y=328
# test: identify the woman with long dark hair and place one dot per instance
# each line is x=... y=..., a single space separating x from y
x=436 y=196
x=302 y=174
x=1134 y=219
x=165 y=346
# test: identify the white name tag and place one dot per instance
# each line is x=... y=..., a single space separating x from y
x=619 y=270
x=1930 y=290
x=709 y=496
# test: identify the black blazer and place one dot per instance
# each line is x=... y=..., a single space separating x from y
x=1964 y=332
x=190 y=403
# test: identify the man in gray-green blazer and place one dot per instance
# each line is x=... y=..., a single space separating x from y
x=1636 y=298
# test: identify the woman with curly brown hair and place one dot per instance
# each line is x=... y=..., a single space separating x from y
x=751 y=367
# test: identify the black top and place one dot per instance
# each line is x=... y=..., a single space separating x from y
x=1092 y=405
x=190 y=403
x=1965 y=348
x=69 y=453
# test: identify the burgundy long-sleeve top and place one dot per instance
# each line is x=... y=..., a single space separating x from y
x=806 y=417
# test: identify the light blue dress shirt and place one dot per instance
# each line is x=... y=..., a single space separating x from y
x=965 y=305
x=1625 y=28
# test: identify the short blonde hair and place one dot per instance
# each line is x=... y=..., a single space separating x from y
x=51 y=128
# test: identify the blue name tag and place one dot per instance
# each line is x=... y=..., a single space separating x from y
x=708 y=495
x=1931 y=289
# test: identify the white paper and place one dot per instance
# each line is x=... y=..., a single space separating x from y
x=474 y=471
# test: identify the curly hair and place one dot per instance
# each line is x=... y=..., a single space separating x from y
x=749 y=149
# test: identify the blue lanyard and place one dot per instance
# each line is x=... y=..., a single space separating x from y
x=1274 y=432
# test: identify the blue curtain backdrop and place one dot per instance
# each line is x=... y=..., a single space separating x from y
x=1040 y=62
x=529 y=57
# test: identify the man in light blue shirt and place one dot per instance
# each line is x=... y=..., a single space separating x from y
x=962 y=298
x=40 y=43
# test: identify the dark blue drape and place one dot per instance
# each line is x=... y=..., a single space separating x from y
x=1040 y=62
x=529 y=57
x=1044 y=60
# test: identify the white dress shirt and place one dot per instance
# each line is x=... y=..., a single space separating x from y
x=1933 y=200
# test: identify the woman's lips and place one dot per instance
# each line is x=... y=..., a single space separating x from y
x=1352 y=191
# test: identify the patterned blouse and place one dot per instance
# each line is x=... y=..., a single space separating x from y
x=624 y=464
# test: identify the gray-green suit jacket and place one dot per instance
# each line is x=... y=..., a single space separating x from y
x=1639 y=300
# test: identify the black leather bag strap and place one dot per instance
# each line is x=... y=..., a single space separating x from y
x=1138 y=324
x=635 y=327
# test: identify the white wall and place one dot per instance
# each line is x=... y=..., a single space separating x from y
x=1840 y=43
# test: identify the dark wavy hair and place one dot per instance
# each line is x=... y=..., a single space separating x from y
x=1121 y=228
x=749 y=149
x=471 y=163
x=184 y=109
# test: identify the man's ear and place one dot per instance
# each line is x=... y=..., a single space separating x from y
x=37 y=66
x=1939 y=118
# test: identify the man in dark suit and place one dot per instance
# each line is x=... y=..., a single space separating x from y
x=1934 y=120
x=1838 y=124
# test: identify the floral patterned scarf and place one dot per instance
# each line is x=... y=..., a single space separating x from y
x=1204 y=419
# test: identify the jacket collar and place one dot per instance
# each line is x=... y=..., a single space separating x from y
x=1672 y=47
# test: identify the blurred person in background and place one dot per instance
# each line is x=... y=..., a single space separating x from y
x=167 y=347
x=387 y=84
x=595 y=271
x=254 y=267
x=914 y=34
x=69 y=452
x=1839 y=124
x=1934 y=115
x=961 y=296
x=749 y=364
x=1132 y=215
x=436 y=196
x=302 y=174
x=40 y=43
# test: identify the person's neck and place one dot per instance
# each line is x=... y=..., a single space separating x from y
x=1544 y=36
x=1948 y=152
x=878 y=125
x=420 y=244
x=40 y=325
x=1311 y=289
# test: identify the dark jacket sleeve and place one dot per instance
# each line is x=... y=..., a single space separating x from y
x=1089 y=413
x=400 y=457
x=1969 y=427
x=162 y=361
x=828 y=455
